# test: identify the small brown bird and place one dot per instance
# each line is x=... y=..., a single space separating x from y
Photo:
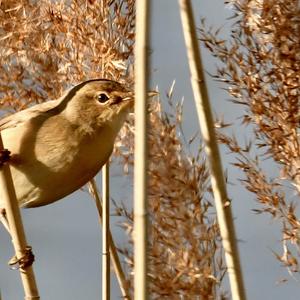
x=58 y=146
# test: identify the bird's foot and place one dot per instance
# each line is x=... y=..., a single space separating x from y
x=23 y=262
x=27 y=259
x=4 y=156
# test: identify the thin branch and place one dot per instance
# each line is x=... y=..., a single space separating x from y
x=207 y=127
x=105 y=234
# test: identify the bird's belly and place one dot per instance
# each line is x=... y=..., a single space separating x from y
x=37 y=182
x=51 y=187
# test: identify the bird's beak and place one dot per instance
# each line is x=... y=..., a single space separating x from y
x=130 y=95
x=129 y=98
x=152 y=93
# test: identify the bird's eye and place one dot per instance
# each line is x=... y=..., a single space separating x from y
x=102 y=98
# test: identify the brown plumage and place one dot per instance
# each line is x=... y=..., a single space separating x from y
x=58 y=146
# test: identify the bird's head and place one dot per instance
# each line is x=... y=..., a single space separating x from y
x=99 y=102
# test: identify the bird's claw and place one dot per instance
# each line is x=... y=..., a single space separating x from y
x=23 y=262
x=4 y=156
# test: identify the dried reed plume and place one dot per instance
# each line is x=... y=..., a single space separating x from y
x=260 y=67
x=48 y=45
x=185 y=254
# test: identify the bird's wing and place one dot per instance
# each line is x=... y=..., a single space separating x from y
x=25 y=115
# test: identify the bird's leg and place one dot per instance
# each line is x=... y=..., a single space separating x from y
x=4 y=156
x=28 y=258
x=3 y=219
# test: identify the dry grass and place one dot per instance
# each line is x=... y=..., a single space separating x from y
x=260 y=67
x=45 y=48
x=185 y=254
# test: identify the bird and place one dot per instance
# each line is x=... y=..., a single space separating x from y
x=57 y=146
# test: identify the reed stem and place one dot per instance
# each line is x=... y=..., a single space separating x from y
x=141 y=151
x=16 y=229
x=223 y=207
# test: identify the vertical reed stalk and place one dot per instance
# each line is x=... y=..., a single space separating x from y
x=105 y=234
x=207 y=127
x=140 y=157
x=16 y=229
x=112 y=248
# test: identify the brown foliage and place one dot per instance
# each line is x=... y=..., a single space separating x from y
x=261 y=70
x=48 y=45
x=185 y=253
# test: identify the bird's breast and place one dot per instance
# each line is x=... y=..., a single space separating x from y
x=48 y=166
